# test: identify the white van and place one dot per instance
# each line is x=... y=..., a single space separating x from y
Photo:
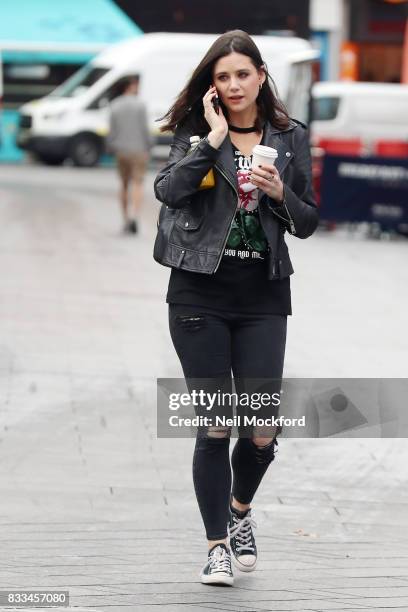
x=1 y=94
x=73 y=120
x=359 y=115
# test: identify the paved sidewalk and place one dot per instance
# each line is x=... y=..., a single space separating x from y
x=93 y=503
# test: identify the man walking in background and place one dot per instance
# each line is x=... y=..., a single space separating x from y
x=130 y=141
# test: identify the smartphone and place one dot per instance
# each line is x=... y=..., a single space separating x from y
x=216 y=104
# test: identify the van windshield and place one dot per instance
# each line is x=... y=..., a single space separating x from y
x=325 y=109
x=79 y=82
x=297 y=100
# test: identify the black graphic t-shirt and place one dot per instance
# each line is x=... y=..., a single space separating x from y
x=246 y=240
x=241 y=282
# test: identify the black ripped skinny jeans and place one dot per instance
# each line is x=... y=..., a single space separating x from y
x=209 y=344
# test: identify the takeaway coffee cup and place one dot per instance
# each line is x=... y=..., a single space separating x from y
x=263 y=155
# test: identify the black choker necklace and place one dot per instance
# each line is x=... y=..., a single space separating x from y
x=241 y=130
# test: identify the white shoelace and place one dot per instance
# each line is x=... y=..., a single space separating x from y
x=242 y=533
x=220 y=560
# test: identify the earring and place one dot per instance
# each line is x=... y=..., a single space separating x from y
x=260 y=86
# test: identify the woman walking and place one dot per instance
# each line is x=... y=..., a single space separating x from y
x=229 y=289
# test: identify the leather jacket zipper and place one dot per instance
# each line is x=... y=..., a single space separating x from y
x=290 y=221
x=231 y=219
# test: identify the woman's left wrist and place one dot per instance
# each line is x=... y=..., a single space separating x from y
x=281 y=197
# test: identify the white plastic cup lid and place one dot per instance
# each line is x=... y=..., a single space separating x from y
x=265 y=151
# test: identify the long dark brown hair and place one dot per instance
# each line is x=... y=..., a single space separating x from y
x=188 y=105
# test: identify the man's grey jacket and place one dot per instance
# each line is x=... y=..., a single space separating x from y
x=128 y=126
x=194 y=224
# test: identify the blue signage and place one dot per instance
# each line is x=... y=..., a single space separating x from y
x=373 y=189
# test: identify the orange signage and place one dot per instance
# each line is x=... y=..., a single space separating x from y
x=404 y=76
x=349 y=62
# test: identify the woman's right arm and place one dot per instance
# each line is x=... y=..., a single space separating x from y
x=184 y=171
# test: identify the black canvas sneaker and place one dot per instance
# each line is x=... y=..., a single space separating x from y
x=242 y=540
x=218 y=569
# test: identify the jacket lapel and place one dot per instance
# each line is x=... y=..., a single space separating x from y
x=226 y=161
x=272 y=138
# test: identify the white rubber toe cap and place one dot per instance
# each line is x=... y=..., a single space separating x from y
x=246 y=563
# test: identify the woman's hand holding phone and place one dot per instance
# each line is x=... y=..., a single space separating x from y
x=216 y=121
x=216 y=103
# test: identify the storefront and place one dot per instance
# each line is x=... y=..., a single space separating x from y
x=374 y=50
x=217 y=16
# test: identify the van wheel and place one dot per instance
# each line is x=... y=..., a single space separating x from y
x=85 y=150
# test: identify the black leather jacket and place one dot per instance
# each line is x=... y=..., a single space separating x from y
x=194 y=224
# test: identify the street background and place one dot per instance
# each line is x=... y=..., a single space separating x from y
x=93 y=502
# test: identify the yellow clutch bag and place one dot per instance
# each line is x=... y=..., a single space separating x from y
x=209 y=179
